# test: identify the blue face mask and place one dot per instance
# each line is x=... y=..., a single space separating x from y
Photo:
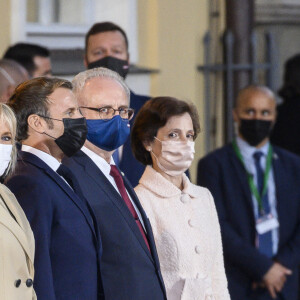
x=108 y=134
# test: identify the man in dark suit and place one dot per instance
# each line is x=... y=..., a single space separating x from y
x=68 y=247
x=256 y=189
x=106 y=45
x=129 y=264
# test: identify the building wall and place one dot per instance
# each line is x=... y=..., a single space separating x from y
x=170 y=39
x=5 y=16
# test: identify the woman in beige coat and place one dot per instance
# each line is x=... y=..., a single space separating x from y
x=183 y=216
x=16 y=237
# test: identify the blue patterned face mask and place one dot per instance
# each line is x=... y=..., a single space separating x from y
x=108 y=134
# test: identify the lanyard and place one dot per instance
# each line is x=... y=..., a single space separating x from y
x=251 y=183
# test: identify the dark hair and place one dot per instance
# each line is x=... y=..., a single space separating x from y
x=104 y=27
x=153 y=115
x=24 y=54
x=31 y=97
x=291 y=86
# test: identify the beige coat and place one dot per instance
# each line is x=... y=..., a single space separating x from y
x=187 y=235
x=16 y=250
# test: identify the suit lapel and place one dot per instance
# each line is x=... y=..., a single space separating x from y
x=281 y=190
x=238 y=168
x=103 y=183
x=62 y=184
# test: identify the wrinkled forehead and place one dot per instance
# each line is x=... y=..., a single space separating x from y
x=100 y=87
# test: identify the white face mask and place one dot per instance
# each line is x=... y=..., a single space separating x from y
x=5 y=157
x=176 y=156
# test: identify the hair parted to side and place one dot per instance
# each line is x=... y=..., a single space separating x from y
x=154 y=115
x=8 y=117
x=104 y=27
x=80 y=79
x=31 y=97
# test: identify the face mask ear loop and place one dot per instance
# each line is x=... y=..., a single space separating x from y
x=49 y=135
x=157 y=139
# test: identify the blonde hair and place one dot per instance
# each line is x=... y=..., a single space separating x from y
x=7 y=116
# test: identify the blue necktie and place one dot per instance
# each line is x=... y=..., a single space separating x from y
x=264 y=240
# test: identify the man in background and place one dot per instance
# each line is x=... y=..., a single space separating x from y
x=34 y=58
x=106 y=45
x=256 y=190
x=11 y=75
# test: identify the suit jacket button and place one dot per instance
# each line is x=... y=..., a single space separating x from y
x=29 y=282
x=17 y=282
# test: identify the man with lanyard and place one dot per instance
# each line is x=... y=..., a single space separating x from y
x=257 y=193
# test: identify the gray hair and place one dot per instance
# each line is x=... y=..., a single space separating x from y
x=80 y=79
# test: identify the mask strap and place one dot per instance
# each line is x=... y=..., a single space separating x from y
x=157 y=139
x=50 y=118
x=49 y=135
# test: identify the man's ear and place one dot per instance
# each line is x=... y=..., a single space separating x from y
x=235 y=115
x=36 y=123
x=128 y=57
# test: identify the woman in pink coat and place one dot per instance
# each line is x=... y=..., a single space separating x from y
x=183 y=216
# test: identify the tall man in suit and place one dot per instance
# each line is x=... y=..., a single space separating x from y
x=106 y=45
x=256 y=189
x=129 y=264
x=68 y=247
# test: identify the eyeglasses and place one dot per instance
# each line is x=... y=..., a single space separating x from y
x=109 y=112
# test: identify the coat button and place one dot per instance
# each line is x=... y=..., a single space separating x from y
x=185 y=198
x=17 y=282
x=29 y=282
x=193 y=223
x=198 y=249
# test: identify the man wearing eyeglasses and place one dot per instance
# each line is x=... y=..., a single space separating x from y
x=129 y=264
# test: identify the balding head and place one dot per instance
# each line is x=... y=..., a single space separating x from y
x=250 y=90
x=11 y=75
x=255 y=114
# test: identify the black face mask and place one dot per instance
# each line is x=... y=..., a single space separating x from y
x=74 y=135
x=255 y=131
x=118 y=65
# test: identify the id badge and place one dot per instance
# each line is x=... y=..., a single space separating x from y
x=266 y=223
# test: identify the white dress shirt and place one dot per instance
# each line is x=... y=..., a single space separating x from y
x=247 y=152
x=104 y=166
x=48 y=159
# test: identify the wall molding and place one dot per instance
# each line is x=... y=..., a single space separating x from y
x=277 y=13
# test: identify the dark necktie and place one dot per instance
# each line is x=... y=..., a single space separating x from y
x=114 y=172
x=67 y=174
x=264 y=240
x=70 y=178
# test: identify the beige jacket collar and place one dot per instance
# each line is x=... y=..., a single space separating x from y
x=162 y=187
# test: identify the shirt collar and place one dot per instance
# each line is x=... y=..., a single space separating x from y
x=51 y=161
x=247 y=151
x=100 y=162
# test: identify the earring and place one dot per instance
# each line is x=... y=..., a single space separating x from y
x=149 y=149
